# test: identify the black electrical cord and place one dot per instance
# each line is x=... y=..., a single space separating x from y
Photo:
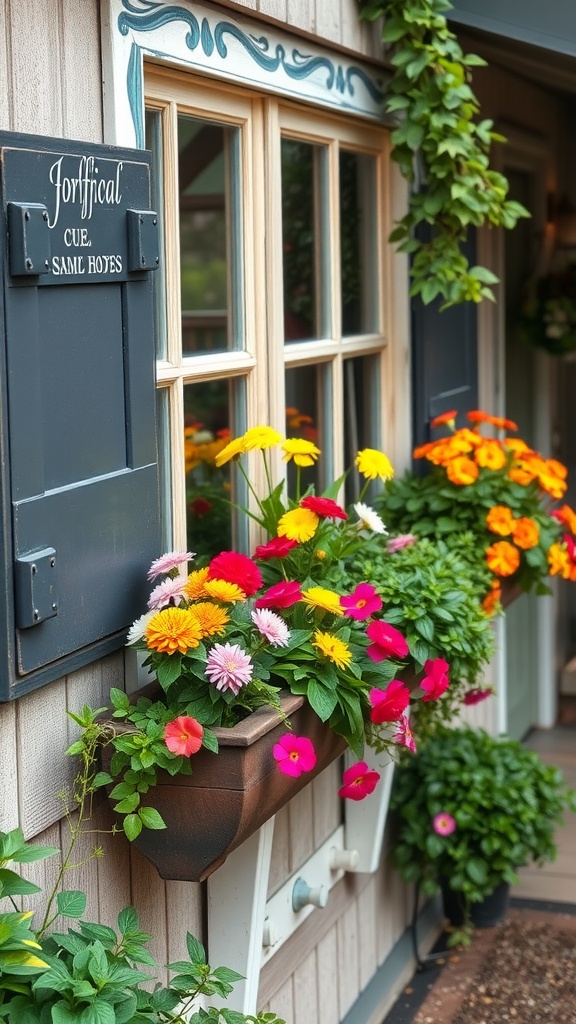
x=428 y=961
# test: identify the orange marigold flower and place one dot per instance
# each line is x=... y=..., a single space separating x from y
x=566 y=515
x=173 y=629
x=502 y=558
x=477 y=416
x=424 y=449
x=462 y=471
x=195 y=587
x=223 y=590
x=490 y=454
x=520 y=475
x=516 y=444
x=559 y=561
x=493 y=597
x=525 y=533
x=552 y=478
x=445 y=418
x=500 y=520
x=211 y=617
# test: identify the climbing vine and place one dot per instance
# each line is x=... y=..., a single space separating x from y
x=440 y=143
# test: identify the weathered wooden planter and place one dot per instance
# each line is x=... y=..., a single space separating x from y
x=510 y=593
x=230 y=794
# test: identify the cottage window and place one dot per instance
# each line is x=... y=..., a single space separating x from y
x=269 y=308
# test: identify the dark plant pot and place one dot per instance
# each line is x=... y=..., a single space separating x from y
x=229 y=794
x=510 y=593
x=486 y=914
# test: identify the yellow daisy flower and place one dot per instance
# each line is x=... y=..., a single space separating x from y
x=173 y=629
x=372 y=463
x=233 y=449
x=194 y=588
x=221 y=590
x=211 y=617
x=303 y=452
x=261 y=437
x=319 y=597
x=333 y=648
x=299 y=524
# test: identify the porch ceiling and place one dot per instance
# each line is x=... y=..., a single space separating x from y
x=550 y=25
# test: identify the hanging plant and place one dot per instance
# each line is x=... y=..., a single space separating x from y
x=548 y=318
x=440 y=140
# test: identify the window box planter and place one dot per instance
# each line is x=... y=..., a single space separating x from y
x=229 y=794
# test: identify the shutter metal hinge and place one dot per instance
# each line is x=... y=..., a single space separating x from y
x=36 y=588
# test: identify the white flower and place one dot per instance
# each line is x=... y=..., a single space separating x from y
x=138 y=629
x=369 y=519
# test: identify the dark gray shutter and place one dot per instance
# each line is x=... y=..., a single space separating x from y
x=79 y=484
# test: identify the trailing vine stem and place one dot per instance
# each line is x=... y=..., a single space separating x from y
x=440 y=140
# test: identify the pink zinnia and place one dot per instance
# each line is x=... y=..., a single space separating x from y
x=237 y=568
x=171 y=589
x=385 y=641
x=403 y=541
x=294 y=754
x=278 y=547
x=228 y=667
x=389 y=704
x=443 y=824
x=476 y=695
x=280 y=595
x=272 y=626
x=436 y=679
x=359 y=781
x=183 y=735
x=362 y=603
x=324 y=507
x=166 y=563
x=403 y=735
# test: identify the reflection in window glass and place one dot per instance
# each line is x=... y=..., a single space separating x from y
x=164 y=467
x=360 y=419
x=209 y=235
x=153 y=128
x=207 y=418
x=358 y=242
x=304 y=418
x=302 y=168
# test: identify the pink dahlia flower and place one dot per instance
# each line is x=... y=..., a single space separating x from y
x=324 y=507
x=234 y=567
x=228 y=667
x=359 y=781
x=166 y=563
x=444 y=824
x=170 y=590
x=272 y=626
x=294 y=754
x=277 y=547
x=403 y=541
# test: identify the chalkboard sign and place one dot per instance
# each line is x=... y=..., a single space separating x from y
x=79 y=485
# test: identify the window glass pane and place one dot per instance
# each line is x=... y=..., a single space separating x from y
x=164 y=466
x=303 y=182
x=361 y=419
x=209 y=424
x=210 y=239
x=305 y=418
x=154 y=143
x=358 y=243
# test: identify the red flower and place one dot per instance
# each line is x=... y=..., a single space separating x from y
x=358 y=781
x=445 y=418
x=389 y=705
x=477 y=695
x=278 y=547
x=281 y=595
x=183 y=735
x=323 y=507
x=236 y=568
x=435 y=680
x=200 y=506
x=385 y=641
x=362 y=603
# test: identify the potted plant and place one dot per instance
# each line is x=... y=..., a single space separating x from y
x=266 y=661
x=499 y=490
x=470 y=810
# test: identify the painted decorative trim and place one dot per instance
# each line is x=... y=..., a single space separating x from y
x=193 y=35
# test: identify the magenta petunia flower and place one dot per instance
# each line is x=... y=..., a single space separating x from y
x=280 y=595
x=272 y=626
x=403 y=734
x=436 y=679
x=402 y=541
x=294 y=754
x=183 y=735
x=228 y=667
x=278 y=547
x=166 y=563
x=362 y=603
x=444 y=824
x=169 y=591
x=385 y=641
x=324 y=507
x=359 y=781
x=389 y=704
x=234 y=567
x=476 y=695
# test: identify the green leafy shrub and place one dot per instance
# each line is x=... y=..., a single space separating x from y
x=504 y=802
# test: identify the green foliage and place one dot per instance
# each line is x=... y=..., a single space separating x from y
x=506 y=803
x=89 y=974
x=439 y=134
x=433 y=597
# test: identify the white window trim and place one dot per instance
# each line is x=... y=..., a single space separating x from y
x=195 y=36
